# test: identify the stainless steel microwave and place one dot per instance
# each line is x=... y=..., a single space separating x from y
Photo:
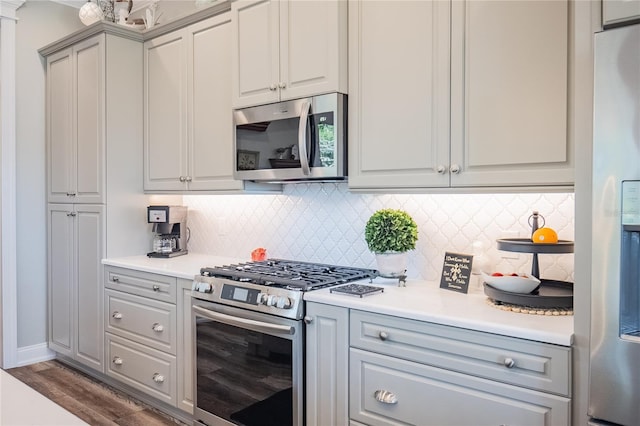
x=301 y=139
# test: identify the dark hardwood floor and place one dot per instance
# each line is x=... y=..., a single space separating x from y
x=94 y=402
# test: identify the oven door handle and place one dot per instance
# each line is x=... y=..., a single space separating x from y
x=259 y=326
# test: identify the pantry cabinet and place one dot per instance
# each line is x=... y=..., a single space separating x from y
x=287 y=49
x=482 y=99
x=76 y=246
x=188 y=131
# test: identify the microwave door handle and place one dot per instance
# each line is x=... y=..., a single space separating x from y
x=259 y=326
x=302 y=138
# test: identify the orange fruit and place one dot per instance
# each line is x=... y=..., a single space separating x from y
x=544 y=236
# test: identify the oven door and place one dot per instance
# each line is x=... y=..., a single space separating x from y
x=248 y=367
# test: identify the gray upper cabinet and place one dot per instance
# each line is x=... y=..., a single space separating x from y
x=188 y=138
x=76 y=123
x=459 y=94
x=620 y=11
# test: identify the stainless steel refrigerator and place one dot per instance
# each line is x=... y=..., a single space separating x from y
x=614 y=393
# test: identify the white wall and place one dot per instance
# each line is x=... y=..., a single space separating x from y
x=39 y=23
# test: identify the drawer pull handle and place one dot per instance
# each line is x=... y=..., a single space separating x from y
x=383 y=335
x=156 y=287
x=385 y=397
x=115 y=279
x=509 y=363
x=158 y=378
x=116 y=315
x=157 y=327
x=117 y=360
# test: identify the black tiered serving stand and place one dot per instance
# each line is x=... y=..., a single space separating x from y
x=550 y=293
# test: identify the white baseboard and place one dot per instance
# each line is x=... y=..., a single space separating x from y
x=34 y=353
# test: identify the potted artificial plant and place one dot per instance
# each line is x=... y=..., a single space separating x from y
x=390 y=234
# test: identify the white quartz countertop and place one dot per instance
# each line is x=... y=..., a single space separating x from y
x=186 y=266
x=426 y=301
x=419 y=300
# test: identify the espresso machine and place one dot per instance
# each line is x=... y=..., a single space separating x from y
x=170 y=229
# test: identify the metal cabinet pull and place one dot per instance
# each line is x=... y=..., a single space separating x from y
x=455 y=169
x=441 y=169
x=71 y=214
x=115 y=279
x=116 y=315
x=157 y=327
x=307 y=319
x=156 y=287
x=188 y=178
x=282 y=85
x=117 y=360
x=383 y=335
x=71 y=194
x=182 y=179
x=273 y=87
x=509 y=363
x=385 y=397
x=158 y=378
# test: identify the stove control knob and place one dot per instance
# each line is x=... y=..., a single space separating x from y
x=271 y=300
x=283 y=303
x=262 y=299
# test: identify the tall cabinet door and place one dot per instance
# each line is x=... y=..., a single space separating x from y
x=75 y=123
x=61 y=277
x=90 y=249
x=165 y=100
x=255 y=52
x=398 y=94
x=210 y=147
x=509 y=90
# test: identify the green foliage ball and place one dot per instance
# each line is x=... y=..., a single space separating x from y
x=391 y=230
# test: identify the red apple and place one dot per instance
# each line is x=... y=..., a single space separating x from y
x=496 y=274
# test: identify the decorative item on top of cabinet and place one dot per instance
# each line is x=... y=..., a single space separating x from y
x=445 y=133
x=287 y=50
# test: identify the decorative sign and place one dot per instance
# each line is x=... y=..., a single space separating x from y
x=456 y=272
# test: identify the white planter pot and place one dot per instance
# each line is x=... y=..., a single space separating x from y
x=392 y=264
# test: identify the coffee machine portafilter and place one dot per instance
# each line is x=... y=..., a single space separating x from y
x=170 y=230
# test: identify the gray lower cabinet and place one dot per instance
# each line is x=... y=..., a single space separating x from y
x=186 y=344
x=403 y=371
x=141 y=332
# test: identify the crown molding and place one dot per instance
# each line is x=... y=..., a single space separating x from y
x=8 y=8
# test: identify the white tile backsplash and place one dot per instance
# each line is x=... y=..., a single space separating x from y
x=324 y=222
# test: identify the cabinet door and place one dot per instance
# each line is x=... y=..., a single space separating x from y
x=186 y=343
x=75 y=123
x=509 y=93
x=398 y=94
x=165 y=106
x=89 y=60
x=255 y=55
x=327 y=365
x=210 y=115
x=89 y=224
x=313 y=48
x=61 y=298
x=617 y=11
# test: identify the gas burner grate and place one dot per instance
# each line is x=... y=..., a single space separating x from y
x=294 y=275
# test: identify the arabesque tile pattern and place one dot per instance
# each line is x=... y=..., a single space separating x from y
x=324 y=222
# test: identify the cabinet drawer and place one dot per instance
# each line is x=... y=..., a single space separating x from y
x=142 y=320
x=535 y=365
x=148 y=370
x=159 y=287
x=424 y=395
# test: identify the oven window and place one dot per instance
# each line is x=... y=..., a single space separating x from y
x=243 y=376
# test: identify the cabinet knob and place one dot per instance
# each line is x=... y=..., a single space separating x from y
x=385 y=397
x=307 y=319
x=273 y=87
x=71 y=214
x=71 y=194
x=441 y=169
x=117 y=360
x=115 y=279
x=116 y=315
x=188 y=178
x=156 y=288
x=158 y=378
x=455 y=169
x=509 y=363
x=383 y=335
x=282 y=85
x=182 y=179
x=157 y=327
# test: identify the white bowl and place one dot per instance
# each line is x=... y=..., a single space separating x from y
x=511 y=283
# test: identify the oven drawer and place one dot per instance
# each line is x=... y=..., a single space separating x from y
x=140 y=319
x=535 y=365
x=154 y=286
x=390 y=391
x=143 y=368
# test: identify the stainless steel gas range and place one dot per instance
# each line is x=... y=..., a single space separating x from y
x=249 y=339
